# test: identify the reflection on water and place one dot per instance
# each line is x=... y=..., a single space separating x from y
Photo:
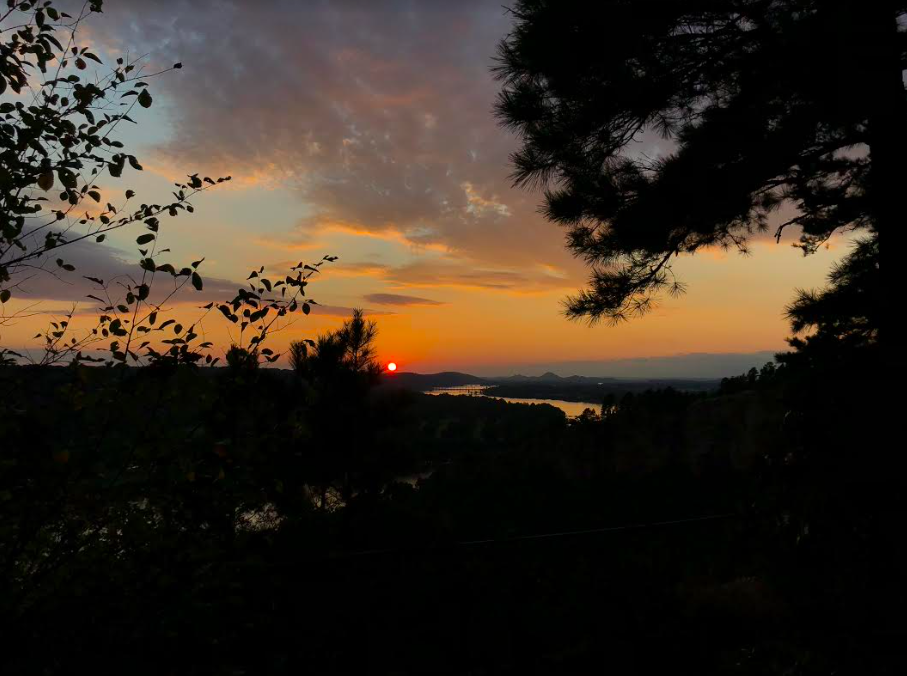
x=571 y=408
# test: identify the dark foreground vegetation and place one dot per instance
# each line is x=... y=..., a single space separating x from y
x=192 y=520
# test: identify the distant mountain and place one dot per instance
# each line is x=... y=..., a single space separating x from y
x=427 y=381
x=550 y=377
x=690 y=366
x=547 y=385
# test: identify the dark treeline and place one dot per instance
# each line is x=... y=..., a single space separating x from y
x=236 y=520
x=593 y=392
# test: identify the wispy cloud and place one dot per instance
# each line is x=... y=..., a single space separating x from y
x=340 y=311
x=48 y=281
x=396 y=299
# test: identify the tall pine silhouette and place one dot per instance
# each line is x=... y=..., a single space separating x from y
x=765 y=103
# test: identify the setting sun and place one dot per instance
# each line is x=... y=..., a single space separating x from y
x=391 y=366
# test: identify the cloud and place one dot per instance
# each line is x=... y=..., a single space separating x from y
x=293 y=244
x=378 y=115
x=473 y=275
x=361 y=269
x=395 y=299
x=48 y=281
x=340 y=311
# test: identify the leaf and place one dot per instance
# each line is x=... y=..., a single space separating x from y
x=145 y=99
x=130 y=194
x=134 y=163
x=95 y=195
x=46 y=180
x=100 y=238
x=5 y=295
x=306 y=308
x=196 y=281
x=67 y=178
x=144 y=239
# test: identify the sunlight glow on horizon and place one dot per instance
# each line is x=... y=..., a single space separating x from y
x=456 y=266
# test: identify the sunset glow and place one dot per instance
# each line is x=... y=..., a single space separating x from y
x=405 y=178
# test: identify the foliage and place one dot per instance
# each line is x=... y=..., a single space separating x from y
x=754 y=113
x=57 y=131
x=64 y=137
x=844 y=317
x=350 y=348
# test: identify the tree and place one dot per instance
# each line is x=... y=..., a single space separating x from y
x=58 y=120
x=57 y=134
x=340 y=368
x=358 y=335
x=764 y=102
x=350 y=348
x=846 y=315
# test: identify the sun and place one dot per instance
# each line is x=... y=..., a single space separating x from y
x=391 y=366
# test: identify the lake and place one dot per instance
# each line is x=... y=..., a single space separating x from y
x=571 y=408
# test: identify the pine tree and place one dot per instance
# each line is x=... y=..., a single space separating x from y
x=763 y=102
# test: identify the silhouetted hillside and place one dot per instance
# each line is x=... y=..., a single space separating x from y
x=547 y=386
x=422 y=382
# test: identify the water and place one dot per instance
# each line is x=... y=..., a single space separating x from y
x=571 y=408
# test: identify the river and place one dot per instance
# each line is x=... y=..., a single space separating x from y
x=571 y=408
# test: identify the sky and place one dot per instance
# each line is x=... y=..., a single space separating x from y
x=364 y=130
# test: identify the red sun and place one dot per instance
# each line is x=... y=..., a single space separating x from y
x=391 y=367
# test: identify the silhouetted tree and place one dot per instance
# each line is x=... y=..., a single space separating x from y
x=239 y=358
x=358 y=338
x=340 y=368
x=351 y=348
x=763 y=103
x=846 y=315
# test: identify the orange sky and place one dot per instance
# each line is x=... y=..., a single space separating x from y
x=368 y=135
